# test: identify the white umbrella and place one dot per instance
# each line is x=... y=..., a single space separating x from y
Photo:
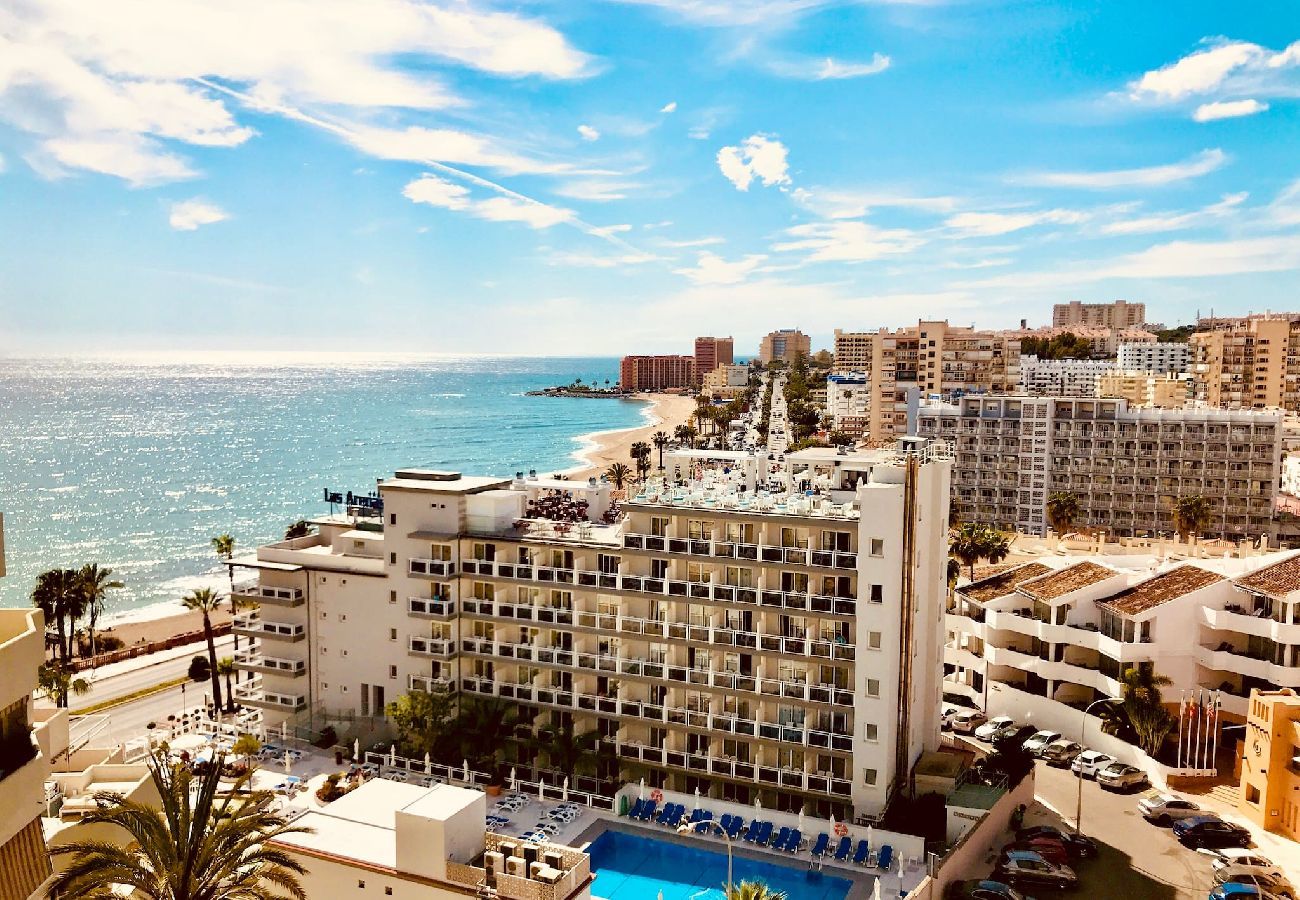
x=870 y=842
x=514 y=779
x=758 y=805
x=288 y=762
x=564 y=791
x=640 y=793
x=392 y=757
x=428 y=764
x=465 y=765
x=697 y=798
x=799 y=821
x=284 y=730
x=356 y=749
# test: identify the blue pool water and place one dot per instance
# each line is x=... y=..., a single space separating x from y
x=631 y=867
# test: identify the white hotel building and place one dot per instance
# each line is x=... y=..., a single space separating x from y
x=1156 y=356
x=1062 y=630
x=777 y=646
x=1061 y=377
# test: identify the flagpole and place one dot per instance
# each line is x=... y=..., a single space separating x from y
x=1196 y=747
x=1182 y=721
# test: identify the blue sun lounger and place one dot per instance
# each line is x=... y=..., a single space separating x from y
x=862 y=854
x=822 y=842
x=648 y=812
x=886 y=857
x=737 y=825
x=795 y=839
x=844 y=849
x=781 y=837
x=635 y=812
x=705 y=822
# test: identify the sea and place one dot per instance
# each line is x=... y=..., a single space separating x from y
x=137 y=463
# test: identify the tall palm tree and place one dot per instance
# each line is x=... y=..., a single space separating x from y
x=224 y=544
x=971 y=543
x=754 y=890
x=226 y=667
x=58 y=594
x=1062 y=510
x=57 y=682
x=640 y=453
x=565 y=749
x=95 y=585
x=202 y=842
x=1191 y=515
x=485 y=725
x=618 y=474
x=1144 y=708
x=660 y=440
x=205 y=600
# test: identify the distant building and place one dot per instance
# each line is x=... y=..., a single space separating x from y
x=1168 y=391
x=657 y=373
x=784 y=345
x=1061 y=377
x=1120 y=314
x=1103 y=341
x=848 y=403
x=726 y=381
x=1125 y=466
x=1247 y=363
x=711 y=352
x=1270 y=759
x=1158 y=356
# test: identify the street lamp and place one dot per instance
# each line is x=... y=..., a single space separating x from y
x=686 y=827
x=1078 y=807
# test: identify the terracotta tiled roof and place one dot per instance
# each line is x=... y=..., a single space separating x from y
x=1276 y=580
x=1167 y=586
x=1062 y=582
x=1003 y=583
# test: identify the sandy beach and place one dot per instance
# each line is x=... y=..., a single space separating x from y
x=602 y=448
x=147 y=631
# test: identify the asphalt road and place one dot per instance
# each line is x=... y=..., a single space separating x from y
x=124 y=678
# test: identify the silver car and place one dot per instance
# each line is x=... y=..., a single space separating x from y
x=1119 y=776
x=1039 y=741
x=1165 y=809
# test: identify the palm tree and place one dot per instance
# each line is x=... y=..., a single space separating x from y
x=58 y=594
x=1191 y=515
x=565 y=749
x=226 y=667
x=247 y=746
x=618 y=474
x=224 y=544
x=205 y=600
x=754 y=890
x=95 y=584
x=202 y=842
x=1062 y=510
x=660 y=439
x=485 y=725
x=971 y=543
x=297 y=529
x=1143 y=707
x=640 y=452
x=57 y=682
x=680 y=433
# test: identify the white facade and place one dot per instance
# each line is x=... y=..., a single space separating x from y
x=1065 y=629
x=848 y=402
x=1061 y=377
x=1125 y=466
x=1159 y=357
x=773 y=645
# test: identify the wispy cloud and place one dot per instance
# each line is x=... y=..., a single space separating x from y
x=669 y=107
x=435 y=191
x=710 y=268
x=851 y=242
x=189 y=215
x=711 y=241
x=1203 y=163
x=758 y=157
x=828 y=68
x=837 y=203
x=1153 y=224
x=1236 y=72
x=991 y=224
x=1228 y=109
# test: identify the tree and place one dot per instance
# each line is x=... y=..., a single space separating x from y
x=205 y=600
x=200 y=669
x=660 y=440
x=485 y=724
x=840 y=439
x=95 y=584
x=971 y=543
x=1144 y=708
x=1065 y=345
x=57 y=682
x=618 y=474
x=226 y=667
x=59 y=595
x=224 y=544
x=1191 y=515
x=565 y=749
x=754 y=890
x=640 y=453
x=1062 y=510
x=203 y=841
x=685 y=435
x=424 y=722
x=247 y=746
x=297 y=529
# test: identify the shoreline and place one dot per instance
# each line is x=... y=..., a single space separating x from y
x=599 y=449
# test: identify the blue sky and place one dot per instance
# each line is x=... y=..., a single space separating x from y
x=572 y=178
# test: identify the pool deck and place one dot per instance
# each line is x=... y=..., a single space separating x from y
x=864 y=880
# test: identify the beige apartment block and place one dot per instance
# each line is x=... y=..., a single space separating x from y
x=1126 y=466
x=1169 y=391
x=774 y=647
x=930 y=358
x=726 y=381
x=1247 y=363
x=784 y=345
x=1120 y=314
x=24 y=865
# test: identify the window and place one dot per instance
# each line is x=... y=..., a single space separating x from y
x=877 y=547
x=343 y=617
x=873 y=640
x=392 y=634
x=869 y=777
x=877 y=593
x=1252 y=794
x=361 y=884
x=873 y=687
x=870 y=732
x=392 y=671
x=392 y=558
x=392 y=596
x=392 y=518
x=388 y=892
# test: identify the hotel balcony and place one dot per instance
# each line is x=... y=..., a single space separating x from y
x=1232 y=660
x=254 y=661
x=252 y=592
x=737 y=770
x=1257 y=626
x=798 y=556
x=1051 y=670
x=253 y=693
x=251 y=624
x=431 y=568
x=431 y=607
x=437 y=648
x=429 y=684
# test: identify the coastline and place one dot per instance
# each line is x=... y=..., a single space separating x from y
x=600 y=449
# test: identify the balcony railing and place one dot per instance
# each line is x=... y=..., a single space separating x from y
x=253 y=591
x=431 y=568
x=800 y=556
x=255 y=661
x=425 y=646
x=431 y=607
x=253 y=625
x=739 y=770
x=252 y=693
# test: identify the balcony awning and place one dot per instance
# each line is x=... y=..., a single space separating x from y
x=252 y=562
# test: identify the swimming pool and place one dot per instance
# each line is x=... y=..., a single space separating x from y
x=631 y=867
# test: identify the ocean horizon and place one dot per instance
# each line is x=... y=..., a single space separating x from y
x=136 y=462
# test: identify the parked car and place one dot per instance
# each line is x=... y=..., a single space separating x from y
x=1048 y=848
x=1080 y=845
x=1243 y=860
x=1022 y=868
x=1061 y=753
x=947 y=712
x=1121 y=776
x=1090 y=762
x=1013 y=738
x=1164 y=809
x=968 y=720
x=990 y=729
x=984 y=890
x=1274 y=883
x=1234 y=891
x=1040 y=741
x=1210 y=832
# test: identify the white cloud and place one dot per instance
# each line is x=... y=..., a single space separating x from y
x=990 y=224
x=137 y=160
x=1285 y=208
x=1151 y=176
x=833 y=69
x=597 y=190
x=849 y=204
x=446 y=145
x=607 y=230
x=189 y=215
x=669 y=107
x=848 y=241
x=1199 y=72
x=1176 y=221
x=435 y=191
x=757 y=157
x=599 y=261
x=1227 y=109
x=711 y=241
x=588 y=133
x=710 y=268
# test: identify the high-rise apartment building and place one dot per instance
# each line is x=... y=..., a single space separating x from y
x=711 y=352
x=1061 y=377
x=1158 y=357
x=1247 y=363
x=1120 y=314
x=932 y=358
x=784 y=345
x=657 y=373
x=779 y=648
x=1168 y=391
x=726 y=381
x=1125 y=466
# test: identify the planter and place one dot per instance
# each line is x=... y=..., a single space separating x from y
x=494 y=790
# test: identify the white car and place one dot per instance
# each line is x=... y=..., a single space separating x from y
x=1038 y=742
x=967 y=720
x=1241 y=859
x=989 y=729
x=1164 y=809
x=1090 y=762
x=1121 y=776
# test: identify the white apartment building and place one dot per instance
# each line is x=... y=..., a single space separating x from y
x=757 y=630
x=1158 y=357
x=1064 y=629
x=1126 y=466
x=1061 y=377
x=848 y=403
